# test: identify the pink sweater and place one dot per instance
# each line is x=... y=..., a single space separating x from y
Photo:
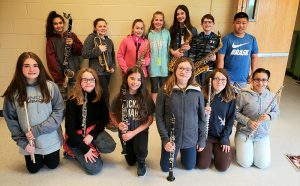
x=127 y=53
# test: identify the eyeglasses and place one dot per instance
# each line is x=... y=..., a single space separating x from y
x=85 y=80
x=187 y=70
x=257 y=80
x=220 y=80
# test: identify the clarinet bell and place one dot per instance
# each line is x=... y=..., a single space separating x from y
x=171 y=177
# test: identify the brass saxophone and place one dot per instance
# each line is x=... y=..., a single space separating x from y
x=142 y=56
x=172 y=63
x=172 y=153
x=102 y=62
x=68 y=73
x=84 y=114
x=200 y=66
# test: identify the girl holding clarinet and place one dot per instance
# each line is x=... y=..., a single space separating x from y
x=256 y=106
x=138 y=110
x=33 y=98
x=220 y=113
x=182 y=97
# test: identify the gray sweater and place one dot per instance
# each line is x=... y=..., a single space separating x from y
x=45 y=120
x=91 y=52
x=250 y=105
x=188 y=108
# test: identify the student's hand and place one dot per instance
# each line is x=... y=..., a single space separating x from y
x=29 y=136
x=128 y=135
x=177 y=53
x=69 y=41
x=112 y=70
x=213 y=58
x=264 y=117
x=88 y=139
x=90 y=156
x=102 y=48
x=207 y=110
x=142 y=61
x=30 y=149
x=225 y=148
x=186 y=47
x=169 y=147
x=123 y=127
x=199 y=149
x=254 y=125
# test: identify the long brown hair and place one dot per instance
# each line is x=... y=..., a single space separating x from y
x=152 y=24
x=173 y=79
x=17 y=86
x=142 y=94
x=78 y=91
x=227 y=93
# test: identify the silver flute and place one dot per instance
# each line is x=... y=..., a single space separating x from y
x=265 y=111
x=208 y=105
x=84 y=114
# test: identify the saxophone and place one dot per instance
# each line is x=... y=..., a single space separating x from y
x=124 y=116
x=143 y=54
x=84 y=114
x=68 y=73
x=181 y=50
x=102 y=62
x=200 y=66
x=172 y=141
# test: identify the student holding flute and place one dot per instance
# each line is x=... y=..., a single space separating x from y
x=32 y=98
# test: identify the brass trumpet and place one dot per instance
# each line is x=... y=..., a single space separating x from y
x=102 y=62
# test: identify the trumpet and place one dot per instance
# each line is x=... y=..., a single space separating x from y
x=102 y=62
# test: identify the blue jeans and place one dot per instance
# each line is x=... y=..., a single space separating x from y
x=252 y=151
x=188 y=158
x=90 y=168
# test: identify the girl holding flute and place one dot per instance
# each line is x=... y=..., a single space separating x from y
x=32 y=85
x=253 y=118
x=220 y=112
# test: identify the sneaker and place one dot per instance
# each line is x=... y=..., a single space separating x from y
x=141 y=170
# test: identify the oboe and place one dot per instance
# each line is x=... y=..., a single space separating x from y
x=28 y=128
x=172 y=141
x=265 y=111
x=124 y=116
x=208 y=105
x=84 y=114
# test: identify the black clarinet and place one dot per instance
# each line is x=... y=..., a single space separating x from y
x=172 y=141
x=124 y=116
x=68 y=73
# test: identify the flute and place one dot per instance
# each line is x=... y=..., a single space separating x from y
x=28 y=128
x=265 y=111
x=208 y=105
x=172 y=140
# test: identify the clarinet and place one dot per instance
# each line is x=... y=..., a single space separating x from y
x=208 y=105
x=172 y=141
x=124 y=117
x=142 y=57
x=68 y=73
x=265 y=111
x=84 y=114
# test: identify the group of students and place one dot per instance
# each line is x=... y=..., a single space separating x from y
x=87 y=111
